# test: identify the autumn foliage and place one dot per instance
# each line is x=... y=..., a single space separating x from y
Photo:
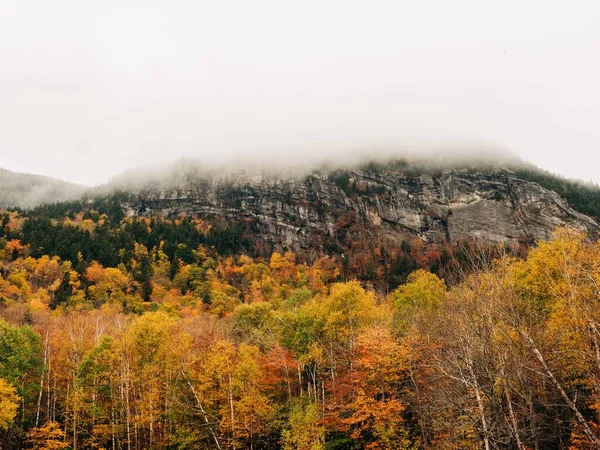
x=184 y=348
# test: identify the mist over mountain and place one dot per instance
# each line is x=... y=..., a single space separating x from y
x=175 y=177
x=290 y=165
x=439 y=198
x=25 y=190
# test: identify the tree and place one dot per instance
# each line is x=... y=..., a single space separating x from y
x=20 y=362
x=64 y=290
x=98 y=378
x=143 y=271
x=422 y=292
x=9 y=404
x=48 y=437
x=306 y=431
x=379 y=373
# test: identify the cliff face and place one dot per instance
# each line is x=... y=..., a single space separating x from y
x=303 y=213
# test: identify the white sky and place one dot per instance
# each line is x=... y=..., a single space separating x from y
x=89 y=89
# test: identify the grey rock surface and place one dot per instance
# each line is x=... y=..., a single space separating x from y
x=299 y=212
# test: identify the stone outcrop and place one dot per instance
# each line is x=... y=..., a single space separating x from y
x=300 y=212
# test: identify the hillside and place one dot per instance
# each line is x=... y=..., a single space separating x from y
x=374 y=306
x=23 y=190
x=377 y=221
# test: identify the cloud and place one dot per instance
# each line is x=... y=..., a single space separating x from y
x=259 y=167
x=88 y=92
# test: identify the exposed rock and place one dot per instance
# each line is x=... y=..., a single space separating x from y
x=300 y=213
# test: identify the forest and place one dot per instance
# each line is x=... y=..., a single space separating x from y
x=148 y=333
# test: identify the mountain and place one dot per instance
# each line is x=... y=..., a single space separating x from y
x=378 y=221
x=24 y=190
x=383 y=204
x=170 y=296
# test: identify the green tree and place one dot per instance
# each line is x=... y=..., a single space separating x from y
x=306 y=430
x=20 y=355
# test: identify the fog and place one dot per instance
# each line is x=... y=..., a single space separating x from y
x=89 y=91
x=258 y=167
x=27 y=191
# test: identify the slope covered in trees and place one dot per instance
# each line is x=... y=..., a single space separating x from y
x=25 y=190
x=207 y=350
x=81 y=233
x=122 y=331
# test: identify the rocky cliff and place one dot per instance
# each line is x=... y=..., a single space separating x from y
x=378 y=204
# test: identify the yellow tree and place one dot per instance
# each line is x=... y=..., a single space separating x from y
x=232 y=383
x=48 y=437
x=154 y=346
x=559 y=285
x=9 y=404
x=422 y=293
x=255 y=411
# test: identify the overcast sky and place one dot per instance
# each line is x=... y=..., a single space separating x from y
x=89 y=89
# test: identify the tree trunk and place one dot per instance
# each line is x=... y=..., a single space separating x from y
x=586 y=428
x=39 y=401
x=481 y=406
x=513 y=418
x=201 y=408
